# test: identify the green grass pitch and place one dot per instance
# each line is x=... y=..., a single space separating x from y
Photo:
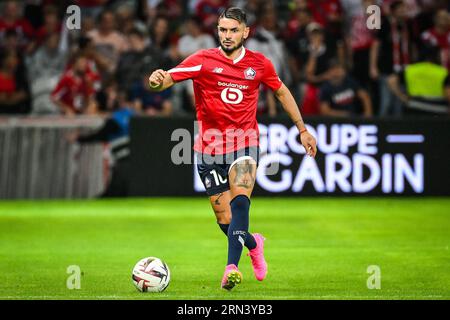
x=316 y=248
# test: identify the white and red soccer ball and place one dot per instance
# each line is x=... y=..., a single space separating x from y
x=151 y=274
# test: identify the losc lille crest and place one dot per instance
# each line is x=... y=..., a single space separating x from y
x=249 y=73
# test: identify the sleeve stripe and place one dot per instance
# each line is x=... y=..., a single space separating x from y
x=187 y=69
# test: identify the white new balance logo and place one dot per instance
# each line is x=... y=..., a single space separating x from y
x=218 y=70
x=241 y=240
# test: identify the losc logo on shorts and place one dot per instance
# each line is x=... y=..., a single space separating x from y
x=249 y=74
x=207 y=183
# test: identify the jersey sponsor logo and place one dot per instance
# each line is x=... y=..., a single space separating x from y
x=232 y=85
x=231 y=95
x=218 y=70
x=249 y=73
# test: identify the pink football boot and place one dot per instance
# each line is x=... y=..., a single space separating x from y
x=231 y=277
x=257 y=255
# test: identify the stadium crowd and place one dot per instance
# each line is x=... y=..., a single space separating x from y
x=323 y=50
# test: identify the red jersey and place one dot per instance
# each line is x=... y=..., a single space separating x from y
x=434 y=38
x=7 y=84
x=73 y=91
x=226 y=97
x=22 y=27
x=322 y=9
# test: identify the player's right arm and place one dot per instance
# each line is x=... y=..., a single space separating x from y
x=189 y=68
x=160 y=80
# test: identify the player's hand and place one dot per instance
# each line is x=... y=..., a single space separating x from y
x=309 y=143
x=156 y=79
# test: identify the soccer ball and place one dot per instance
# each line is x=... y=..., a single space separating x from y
x=151 y=275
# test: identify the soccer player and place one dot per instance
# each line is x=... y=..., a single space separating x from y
x=226 y=82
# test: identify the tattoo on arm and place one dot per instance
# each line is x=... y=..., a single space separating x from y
x=244 y=174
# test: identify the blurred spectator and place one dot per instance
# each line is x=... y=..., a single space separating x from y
x=297 y=43
x=12 y=19
x=91 y=8
x=425 y=19
x=159 y=34
x=107 y=41
x=427 y=85
x=439 y=35
x=266 y=40
x=151 y=103
x=107 y=98
x=329 y=14
x=10 y=41
x=33 y=12
x=267 y=104
x=412 y=7
x=87 y=26
x=52 y=24
x=160 y=40
x=96 y=61
x=390 y=52
x=150 y=9
x=140 y=60
x=319 y=56
x=45 y=67
x=359 y=40
x=208 y=11
x=326 y=12
x=351 y=8
x=13 y=85
x=115 y=132
x=342 y=96
x=301 y=17
x=251 y=7
x=119 y=60
x=75 y=93
x=192 y=41
x=126 y=19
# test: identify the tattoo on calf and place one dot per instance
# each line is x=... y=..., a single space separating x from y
x=244 y=174
x=217 y=202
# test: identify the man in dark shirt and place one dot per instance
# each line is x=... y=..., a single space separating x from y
x=134 y=64
x=342 y=96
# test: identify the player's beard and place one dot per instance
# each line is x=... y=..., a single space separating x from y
x=232 y=49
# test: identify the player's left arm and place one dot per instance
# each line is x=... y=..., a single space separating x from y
x=286 y=99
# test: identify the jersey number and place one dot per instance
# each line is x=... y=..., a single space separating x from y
x=218 y=177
